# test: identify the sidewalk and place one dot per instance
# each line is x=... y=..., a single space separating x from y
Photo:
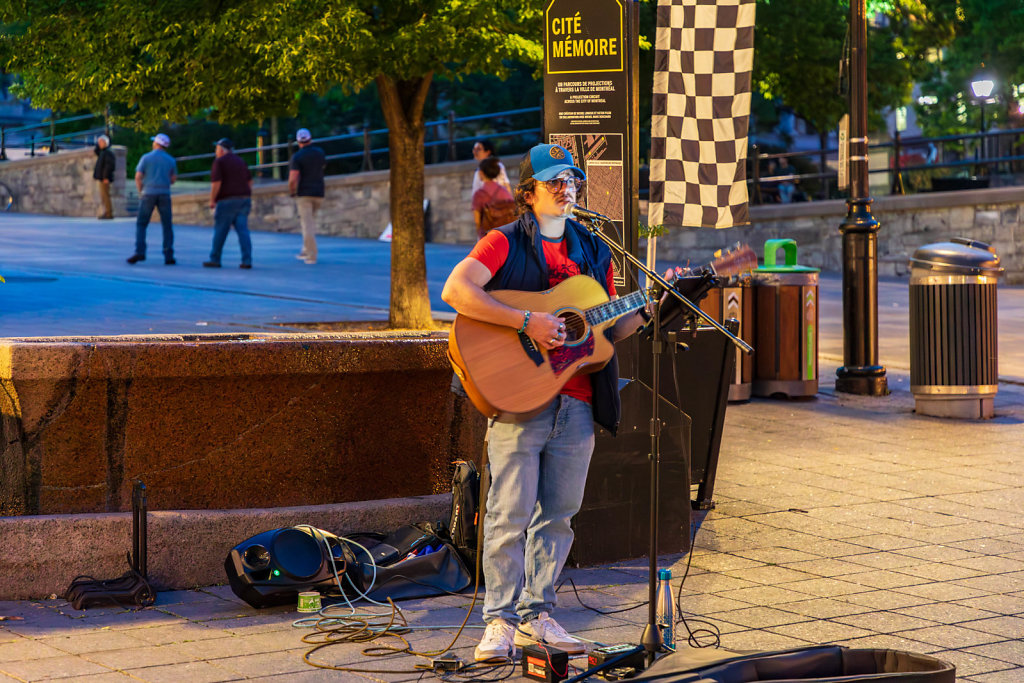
x=840 y=519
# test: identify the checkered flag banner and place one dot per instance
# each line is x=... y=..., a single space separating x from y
x=704 y=54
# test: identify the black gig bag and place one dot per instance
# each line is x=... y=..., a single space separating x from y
x=412 y=562
x=464 y=516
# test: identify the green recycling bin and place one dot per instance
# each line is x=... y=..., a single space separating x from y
x=786 y=327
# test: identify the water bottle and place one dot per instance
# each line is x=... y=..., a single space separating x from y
x=663 y=609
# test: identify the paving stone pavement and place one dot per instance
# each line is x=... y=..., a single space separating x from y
x=839 y=519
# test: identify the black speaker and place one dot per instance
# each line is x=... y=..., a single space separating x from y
x=273 y=567
x=614 y=521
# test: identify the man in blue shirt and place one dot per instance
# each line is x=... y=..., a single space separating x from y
x=154 y=175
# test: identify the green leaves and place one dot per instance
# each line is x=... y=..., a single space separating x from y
x=163 y=60
x=799 y=43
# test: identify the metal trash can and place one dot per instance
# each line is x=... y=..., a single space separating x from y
x=736 y=301
x=953 y=347
x=786 y=338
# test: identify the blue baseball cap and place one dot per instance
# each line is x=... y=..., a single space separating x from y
x=544 y=162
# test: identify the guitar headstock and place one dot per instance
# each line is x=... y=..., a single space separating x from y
x=737 y=259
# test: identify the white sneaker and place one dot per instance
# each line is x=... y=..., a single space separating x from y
x=546 y=630
x=309 y=261
x=301 y=257
x=497 y=641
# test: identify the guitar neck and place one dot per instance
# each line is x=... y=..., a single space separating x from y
x=615 y=308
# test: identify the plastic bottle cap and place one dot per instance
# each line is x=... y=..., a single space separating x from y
x=664 y=574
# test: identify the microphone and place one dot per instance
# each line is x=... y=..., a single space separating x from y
x=587 y=214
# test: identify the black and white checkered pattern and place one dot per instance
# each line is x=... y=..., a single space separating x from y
x=704 y=55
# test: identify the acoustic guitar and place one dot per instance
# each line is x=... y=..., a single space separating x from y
x=508 y=377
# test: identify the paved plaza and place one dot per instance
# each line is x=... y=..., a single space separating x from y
x=839 y=519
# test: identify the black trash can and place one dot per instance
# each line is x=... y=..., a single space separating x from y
x=953 y=325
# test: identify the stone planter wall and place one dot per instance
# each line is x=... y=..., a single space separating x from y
x=215 y=422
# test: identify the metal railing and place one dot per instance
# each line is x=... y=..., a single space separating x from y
x=442 y=140
x=47 y=131
x=981 y=153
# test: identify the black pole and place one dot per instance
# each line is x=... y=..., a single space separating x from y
x=451 y=136
x=651 y=638
x=3 y=143
x=756 y=174
x=982 y=142
x=367 y=156
x=861 y=373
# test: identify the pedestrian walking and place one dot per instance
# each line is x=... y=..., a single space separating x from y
x=306 y=184
x=103 y=173
x=231 y=201
x=155 y=173
x=484 y=149
x=493 y=205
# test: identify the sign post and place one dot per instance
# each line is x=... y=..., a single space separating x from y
x=591 y=107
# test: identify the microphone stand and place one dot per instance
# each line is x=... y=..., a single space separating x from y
x=651 y=639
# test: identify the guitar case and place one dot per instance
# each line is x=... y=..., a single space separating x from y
x=817 y=664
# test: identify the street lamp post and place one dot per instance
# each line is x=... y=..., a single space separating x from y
x=982 y=88
x=861 y=373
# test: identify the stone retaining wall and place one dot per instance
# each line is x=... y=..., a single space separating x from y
x=357 y=205
x=994 y=216
x=62 y=184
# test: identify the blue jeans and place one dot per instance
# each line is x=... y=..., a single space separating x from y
x=538 y=471
x=162 y=203
x=232 y=211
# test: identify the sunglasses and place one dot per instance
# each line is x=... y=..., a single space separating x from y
x=559 y=184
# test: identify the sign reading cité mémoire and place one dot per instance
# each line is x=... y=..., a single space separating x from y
x=582 y=40
x=587 y=105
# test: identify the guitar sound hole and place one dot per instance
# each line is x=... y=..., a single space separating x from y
x=575 y=326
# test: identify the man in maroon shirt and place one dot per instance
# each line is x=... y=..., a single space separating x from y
x=230 y=199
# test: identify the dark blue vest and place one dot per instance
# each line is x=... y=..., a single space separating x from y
x=525 y=269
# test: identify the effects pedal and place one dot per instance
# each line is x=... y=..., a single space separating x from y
x=545 y=663
x=630 y=657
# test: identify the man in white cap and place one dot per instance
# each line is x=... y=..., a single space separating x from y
x=103 y=173
x=538 y=466
x=306 y=184
x=154 y=175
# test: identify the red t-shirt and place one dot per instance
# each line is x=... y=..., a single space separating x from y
x=492 y=250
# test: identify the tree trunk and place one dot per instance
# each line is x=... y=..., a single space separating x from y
x=402 y=103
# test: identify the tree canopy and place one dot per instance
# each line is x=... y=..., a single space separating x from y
x=799 y=45
x=237 y=61
x=989 y=42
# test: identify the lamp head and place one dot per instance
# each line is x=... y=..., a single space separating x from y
x=982 y=87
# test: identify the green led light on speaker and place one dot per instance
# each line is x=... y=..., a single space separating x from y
x=277 y=572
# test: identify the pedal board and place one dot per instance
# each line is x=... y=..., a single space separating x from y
x=632 y=660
